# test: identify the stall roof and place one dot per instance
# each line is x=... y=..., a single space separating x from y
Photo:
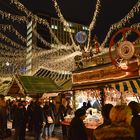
x=64 y=84
x=31 y=85
x=132 y=85
x=126 y=84
x=64 y=81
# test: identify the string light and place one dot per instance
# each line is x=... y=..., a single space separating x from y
x=55 y=59
x=62 y=19
x=12 y=17
x=12 y=29
x=11 y=42
x=122 y=22
x=35 y=18
x=93 y=22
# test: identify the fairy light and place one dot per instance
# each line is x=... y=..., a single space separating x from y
x=93 y=22
x=12 y=17
x=10 y=28
x=16 y=78
x=13 y=43
x=122 y=22
x=41 y=39
x=58 y=59
x=62 y=19
x=35 y=18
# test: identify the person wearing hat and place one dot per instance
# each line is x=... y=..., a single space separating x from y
x=77 y=130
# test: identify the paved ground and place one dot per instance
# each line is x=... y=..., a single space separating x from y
x=57 y=134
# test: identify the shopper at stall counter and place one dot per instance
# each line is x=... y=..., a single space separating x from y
x=105 y=113
x=136 y=118
x=120 y=128
x=77 y=130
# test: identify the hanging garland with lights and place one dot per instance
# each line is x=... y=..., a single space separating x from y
x=93 y=22
x=10 y=28
x=62 y=19
x=122 y=22
x=55 y=55
x=35 y=18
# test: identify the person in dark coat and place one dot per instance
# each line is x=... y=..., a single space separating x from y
x=84 y=106
x=38 y=118
x=105 y=113
x=49 y=127
x=77 y=130
x=30 y=110
x=136 y=118
x=20 y=122
x=62 y=112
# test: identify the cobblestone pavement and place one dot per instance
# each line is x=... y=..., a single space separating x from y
x=30 y=137
x=57 y=134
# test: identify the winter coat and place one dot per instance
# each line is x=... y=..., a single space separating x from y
x=118 y=131
x=77 y=130
x=136 y=125
x=48 y=112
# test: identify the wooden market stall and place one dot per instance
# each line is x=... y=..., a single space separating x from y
x=31 y=86
x=89 y=81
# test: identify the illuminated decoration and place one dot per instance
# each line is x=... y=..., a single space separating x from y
x=5 y=38
x=93 y=22
x=34 y=18
x=107 y=73
x=29 y=47
x=61 y=55
x=126 y=50
x=96 y=44
x=10 y=28
x=81 y=37
x=41 y=38
x=122 y=22
x=121 y=57
x=15 y=77
x=65 y=23
x=13 y=17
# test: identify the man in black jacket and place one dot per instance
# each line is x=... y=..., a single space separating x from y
x=77 y=129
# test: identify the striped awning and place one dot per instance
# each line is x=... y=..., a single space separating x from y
x=128 y=85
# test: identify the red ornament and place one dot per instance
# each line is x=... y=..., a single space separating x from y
x=122 y=53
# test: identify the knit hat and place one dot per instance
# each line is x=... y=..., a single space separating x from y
x=80 y=112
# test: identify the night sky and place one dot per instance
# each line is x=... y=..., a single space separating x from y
x=81 y=11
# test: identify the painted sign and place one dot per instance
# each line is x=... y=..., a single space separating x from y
x=104 y=74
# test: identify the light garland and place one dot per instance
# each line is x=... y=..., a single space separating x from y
x=12 y=17
x=35 y=18
x=12 y=29
x=93 y=22
x=11 y=49
x=41 y=39
x=16 y=78
x=11 y=42
x=122 y=22
x=58 y=59
x=65 y=23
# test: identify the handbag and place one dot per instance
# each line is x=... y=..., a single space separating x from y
x=49 y=119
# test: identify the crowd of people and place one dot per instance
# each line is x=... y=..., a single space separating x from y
x=38 y=117
x=120 y=122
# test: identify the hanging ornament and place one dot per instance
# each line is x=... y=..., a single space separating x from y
x=122 y=52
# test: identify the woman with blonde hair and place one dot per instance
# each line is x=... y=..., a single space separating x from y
x=120 y=128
